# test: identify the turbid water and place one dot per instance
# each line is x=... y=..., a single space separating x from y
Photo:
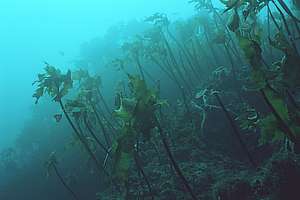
x=136 y=99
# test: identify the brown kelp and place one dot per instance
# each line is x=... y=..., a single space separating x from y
x=223 y=60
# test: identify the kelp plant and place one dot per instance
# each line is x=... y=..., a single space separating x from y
x=138 y=115
x=57 y=85
x=273 y=82
x=51 y=165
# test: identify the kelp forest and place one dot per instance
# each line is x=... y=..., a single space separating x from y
x=202 y=108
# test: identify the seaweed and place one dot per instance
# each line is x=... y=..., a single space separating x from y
x=228 y=51
x=57 y=85
x=51 y=165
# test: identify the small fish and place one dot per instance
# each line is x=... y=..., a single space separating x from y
x=58 y=117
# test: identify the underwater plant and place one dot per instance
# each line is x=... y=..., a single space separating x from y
x=133 y=50
x=51 y=165
x=236 y=131
x=8 y=158
x=226 y=49
x=57 y=85
x=268 y=86
x=138 y=115
x=191 y=68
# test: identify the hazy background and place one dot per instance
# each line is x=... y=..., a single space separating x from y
x=34 y=31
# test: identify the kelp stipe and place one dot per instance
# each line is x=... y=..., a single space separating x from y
x=57 y=85
x=51 y=165
x=236 y=131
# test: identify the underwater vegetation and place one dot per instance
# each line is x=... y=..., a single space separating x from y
x=204 y=108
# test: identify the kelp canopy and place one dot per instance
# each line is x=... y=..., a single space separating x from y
x=205 y=108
